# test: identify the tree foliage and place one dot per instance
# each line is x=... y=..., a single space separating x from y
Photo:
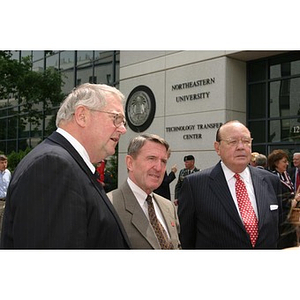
x=30 y=88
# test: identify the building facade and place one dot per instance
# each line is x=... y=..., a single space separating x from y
x=184 y=96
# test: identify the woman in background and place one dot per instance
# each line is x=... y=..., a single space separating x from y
x=278 y=163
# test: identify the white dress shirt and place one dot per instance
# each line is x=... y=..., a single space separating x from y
x=246 y=177
x=4 y=182
x=141 y=196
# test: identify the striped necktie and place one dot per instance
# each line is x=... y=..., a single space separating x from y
x=159 y=230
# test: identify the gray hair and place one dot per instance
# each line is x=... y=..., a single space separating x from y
x=139 y=141
x=261 y=160
x=92 y=96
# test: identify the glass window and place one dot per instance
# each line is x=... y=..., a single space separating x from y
x=84 y=73
x=68 y=78
x=285 y=66
x=26 y=53
x=53 y=61
x=259 y=148
x=257 y=101
x=258 y=131
x=84 y=57
x=3 y=129
x=67 y=59
x=103 y=73
x=38 y=60
x=257 y=71
x=284 y=130
x=284 y=98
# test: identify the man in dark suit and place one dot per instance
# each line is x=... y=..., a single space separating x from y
x=295 y=171
x=146 y=161
x=209 y=209
x=54 y=200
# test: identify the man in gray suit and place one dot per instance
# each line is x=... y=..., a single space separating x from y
x=209 y=208
x=146 y=162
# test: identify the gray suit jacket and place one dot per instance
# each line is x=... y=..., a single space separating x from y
x=209 y=218
x=137 y=226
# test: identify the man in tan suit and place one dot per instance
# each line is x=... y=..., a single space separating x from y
x=146 y=162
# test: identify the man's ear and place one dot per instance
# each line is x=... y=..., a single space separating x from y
x=81 y=115
x=217 y=147
x=129 y=160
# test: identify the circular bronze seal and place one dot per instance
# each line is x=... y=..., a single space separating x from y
x=140 y=108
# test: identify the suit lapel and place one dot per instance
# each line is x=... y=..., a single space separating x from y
x=221 y=190
x=166 y=213
x=261 y=193
x=138 y=220
x=59 y=139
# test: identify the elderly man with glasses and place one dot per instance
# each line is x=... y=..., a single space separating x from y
x=54 y=199
x=231 y=205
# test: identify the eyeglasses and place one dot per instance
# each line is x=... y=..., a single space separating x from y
x=235 y=142
x=118 y=120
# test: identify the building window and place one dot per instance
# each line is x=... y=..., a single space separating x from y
x=274 y=102
x=77 y=67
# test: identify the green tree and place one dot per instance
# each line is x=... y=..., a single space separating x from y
x=36 y=93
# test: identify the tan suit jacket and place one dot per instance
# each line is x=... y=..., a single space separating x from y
x=137 y=226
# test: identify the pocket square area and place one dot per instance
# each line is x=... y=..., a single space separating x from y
x=273 y=206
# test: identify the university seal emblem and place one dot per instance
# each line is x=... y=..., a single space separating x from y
x=140 y=108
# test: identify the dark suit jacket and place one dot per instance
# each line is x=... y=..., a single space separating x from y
x=209 y=218
x=164 y=189
x=54 y=201
x=137 y=226
x=182 y=174
x=292 y=173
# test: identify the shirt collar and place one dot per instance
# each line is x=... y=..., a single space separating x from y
x=229 y=174
x=137 y=191
x=78 y=147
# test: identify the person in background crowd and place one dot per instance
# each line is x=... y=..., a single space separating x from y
x=150 y=220
x=164 y=189
x=189 y=162
x=5 y=176
x=231 y=205
x=100 y=171
x=104 y=176
x=278 y=163
x=261 y=161
x=54 y=199
x=253 y=158
x=295 y=171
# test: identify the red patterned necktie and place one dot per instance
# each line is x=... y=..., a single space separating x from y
x=158 y=228
x=246 y=209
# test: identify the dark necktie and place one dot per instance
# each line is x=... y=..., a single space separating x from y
x=246 y=209
x=158 y=228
